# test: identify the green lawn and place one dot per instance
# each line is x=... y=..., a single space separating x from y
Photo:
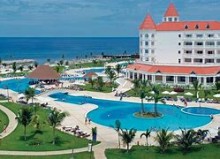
x=210 y=151
x=15 y=140
x=107 y=88
x=83 y=155
x=3 y=121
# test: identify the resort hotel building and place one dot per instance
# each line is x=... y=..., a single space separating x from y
x=177 y=52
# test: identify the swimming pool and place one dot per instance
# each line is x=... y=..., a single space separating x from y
x=201 y=111
x=109 y=111
x=18 y=85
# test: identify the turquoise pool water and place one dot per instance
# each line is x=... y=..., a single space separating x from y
x=109 y=111
x=17 y=85
x=201 y=111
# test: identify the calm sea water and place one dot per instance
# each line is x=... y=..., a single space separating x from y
x=41 y=49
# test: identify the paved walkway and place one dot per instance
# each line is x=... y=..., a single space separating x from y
x=12 y=122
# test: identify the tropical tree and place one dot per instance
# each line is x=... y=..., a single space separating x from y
x=146 y=135
x=61 y=62
x=30 y=67
x=67 y=63
x=35 y=64
x=48 y=60
x=21 y=68
x=36 y=121
x=94 y=62
x=29 y=94
x=111 y=76
x=197 y=86
x=136 y=85
x=186 y=139
x=142 y=96
x=118 y=68
x=217 y=85
x=58 y=69
x=156 y=97
x=55 y=118
x=128 y=136
x=24 y=117
x=100 y=83
x=164 y=138
x=117 y=129
x=91 y=81
x=206 y=93
x=108 y=69
x=4 y=64
x=202 y=134
x=14 y=67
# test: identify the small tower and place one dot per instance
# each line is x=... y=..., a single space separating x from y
x=171 y=14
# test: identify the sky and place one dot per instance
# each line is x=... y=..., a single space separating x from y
x=93 y=18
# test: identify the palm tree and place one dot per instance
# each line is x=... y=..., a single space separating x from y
x=186 y=139
x=117 y=129
x=157 y=98
x=202 y=134
x=21 y=68
x=111 y=76
x=55 y=118
x=35 y=64
x=100 y=83
x=206 y=93
x=91 y=81
x=118 y=68
x=128 y=136
x=29 y=94
x=14 y=67
x=30 y=67
x=136 y=85
x=163 y=137
x=196 y=87
x=142 y=96
x=61 y=62
x=67 y=63
x=24 y=117
x=108 y=69
x=147 y=135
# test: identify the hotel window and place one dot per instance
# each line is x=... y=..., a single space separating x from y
x=188 y=60
x=198 y=60
x=188 y=51
x=199 y=52
x=152 y=35
x=170 y=19
x=179 y=44
x=146 y=51
x=186 y=27
x=210 y=52
x=211 y=35
x=188 y=43
x=152 y=43
x=146 y=35
x=218 y=60
x=179 y=60
x=197 y=26
x=207 y=26
x=179 y=52
x=146 y=43
x=218 y=43
x=210 y=43
x=188 y=35
x=179 y=35
x=209 y=60
x=199 y=43
x=218 y=52
x=199 y=35
x=152 y=51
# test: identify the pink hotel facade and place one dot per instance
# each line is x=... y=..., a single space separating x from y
x=177 y=52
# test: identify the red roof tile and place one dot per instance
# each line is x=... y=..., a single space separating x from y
x=209 y=70
x=148 y=23
x=171 y=11
x=90 y=75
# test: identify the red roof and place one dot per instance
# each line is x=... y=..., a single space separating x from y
x=90 y=75
x=209 y=70
x=171 y=11
x=44 y=72
x=148 y=23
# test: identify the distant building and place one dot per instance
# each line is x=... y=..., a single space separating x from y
x=177 y=52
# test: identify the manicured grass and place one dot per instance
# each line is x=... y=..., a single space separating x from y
x=3 y=121
x=210 y=151
x=83 y=155
x=107 y=88
x=15 y=140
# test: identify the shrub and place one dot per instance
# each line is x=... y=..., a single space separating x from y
x=178 y=89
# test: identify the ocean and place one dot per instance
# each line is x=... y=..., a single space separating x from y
x=41 y=49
